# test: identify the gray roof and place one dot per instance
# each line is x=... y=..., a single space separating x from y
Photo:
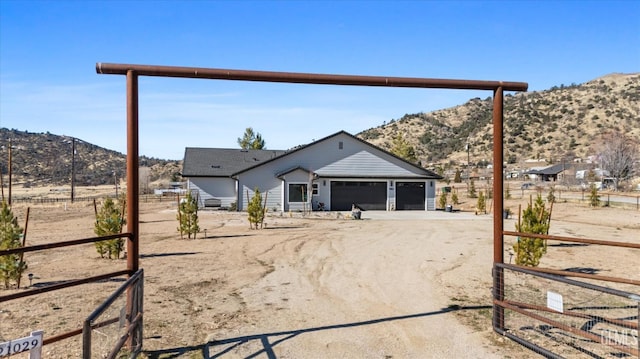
x=426 y=172
x=222 y=162
x=551 y=170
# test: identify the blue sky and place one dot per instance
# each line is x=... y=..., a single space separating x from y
x=48 y=52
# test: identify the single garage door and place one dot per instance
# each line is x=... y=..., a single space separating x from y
x=410 y=195
x=366 y=195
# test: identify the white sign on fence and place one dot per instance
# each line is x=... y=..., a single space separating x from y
x=32 y=344
x=554 y=301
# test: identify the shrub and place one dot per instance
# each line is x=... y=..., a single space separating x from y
x=11 y=266
x=110 y=220
x=536 y=220
x=454 y=197
x=442 y=200
x=594 y=197
x=551 y=197
x=255 y=210
x=482 y=203
x=458 y=177
x=188 y=216
x=472 y=189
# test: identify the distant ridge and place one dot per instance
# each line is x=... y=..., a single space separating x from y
x=42 y=159
x=564 y=122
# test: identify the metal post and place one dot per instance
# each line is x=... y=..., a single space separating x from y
x=498 y=220
x=133 y=244
x=86 y=339
x=132 y=172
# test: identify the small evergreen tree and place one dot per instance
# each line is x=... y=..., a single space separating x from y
x=188 y=216
x=472 y=189
x=458 y=177
x=110 y=220
x=594 y=197
x=482 y=203
x=255 y=210
x=536 y=219
x=454 y=197
x=442 y=200
x=551 y=197
x=507 y=193
x=11 y=266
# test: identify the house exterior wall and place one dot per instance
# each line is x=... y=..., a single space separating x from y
x=221 y=188
x=263 y=178
x=338 y=158
x=297 y=177
x=431 y=195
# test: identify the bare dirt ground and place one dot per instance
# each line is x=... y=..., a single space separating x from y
x=393 y=285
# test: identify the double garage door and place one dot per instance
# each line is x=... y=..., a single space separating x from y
x=373 y=195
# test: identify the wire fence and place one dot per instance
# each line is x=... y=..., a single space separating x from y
x=559 y=317
x=116 y=321
x=145 y=198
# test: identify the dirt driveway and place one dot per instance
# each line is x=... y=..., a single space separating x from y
x=323 y=286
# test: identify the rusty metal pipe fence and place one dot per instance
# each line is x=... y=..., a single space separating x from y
x=556 y=317
x=67 y=283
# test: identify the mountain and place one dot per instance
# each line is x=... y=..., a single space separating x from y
x=563 y=123
x=559 y=124
x=42 y=159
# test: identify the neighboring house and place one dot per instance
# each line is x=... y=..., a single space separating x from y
x=547 y=174
x=208 y=171
x=333 y=173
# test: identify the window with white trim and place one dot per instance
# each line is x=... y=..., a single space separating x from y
x=297 y=192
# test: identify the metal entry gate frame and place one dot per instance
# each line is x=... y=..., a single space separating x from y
x=132 y=73
x=134 y=288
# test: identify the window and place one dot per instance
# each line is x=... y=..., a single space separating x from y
x=340 y=145
x=297 y=192
x=314 y=189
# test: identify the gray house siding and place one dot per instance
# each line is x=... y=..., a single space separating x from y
x=264 y=180
x=337 y=158
x=223 y=189
x=431 y=195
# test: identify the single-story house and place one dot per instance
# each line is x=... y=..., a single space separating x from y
x=546 y=174
x=332 y=173
x=209 y=172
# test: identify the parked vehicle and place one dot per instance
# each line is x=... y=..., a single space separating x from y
x=527 y=185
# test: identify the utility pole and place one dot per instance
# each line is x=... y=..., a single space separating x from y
x=468 y=164
x=73 y=168
x=10 y=170
x=115 y=182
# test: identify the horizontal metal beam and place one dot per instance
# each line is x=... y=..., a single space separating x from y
x=67 y=284
x=573 y=239
x=306 y=78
